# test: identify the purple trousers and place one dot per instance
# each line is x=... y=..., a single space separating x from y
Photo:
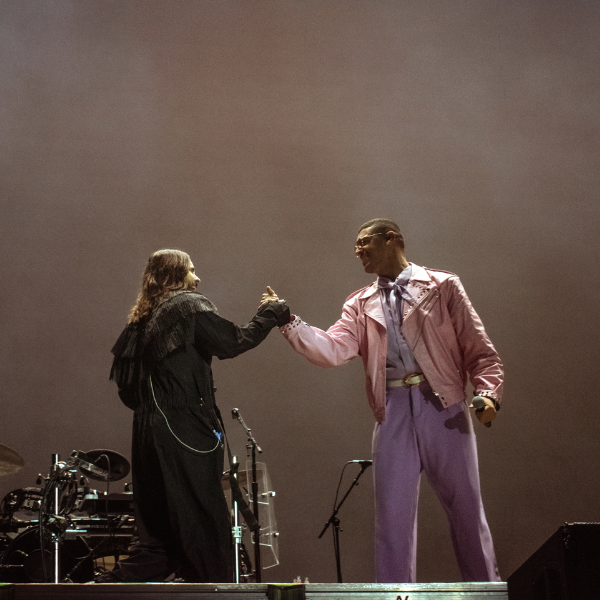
x=418 y=434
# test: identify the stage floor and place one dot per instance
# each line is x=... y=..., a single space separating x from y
x=255 y=591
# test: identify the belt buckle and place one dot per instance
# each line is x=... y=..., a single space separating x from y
x=405 y=380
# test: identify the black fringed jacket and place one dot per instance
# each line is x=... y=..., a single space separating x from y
x=174 y=347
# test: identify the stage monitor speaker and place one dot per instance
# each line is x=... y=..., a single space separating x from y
x=566 y=567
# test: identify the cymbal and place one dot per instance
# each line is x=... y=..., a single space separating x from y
x=10 y=461
x=116 y=463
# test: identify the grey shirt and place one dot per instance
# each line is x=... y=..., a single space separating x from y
x=400 y=360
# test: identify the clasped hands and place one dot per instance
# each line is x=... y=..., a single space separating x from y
x=268 y=296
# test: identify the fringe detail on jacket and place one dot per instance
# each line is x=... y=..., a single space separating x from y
x=145 y=343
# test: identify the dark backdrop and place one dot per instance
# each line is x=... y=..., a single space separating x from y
x=258 y=136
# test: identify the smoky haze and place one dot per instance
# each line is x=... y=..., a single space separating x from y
x=258 y=137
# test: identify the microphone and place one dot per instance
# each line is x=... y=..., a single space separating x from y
x=235 y=413
x=363 y=463
x=479 y=406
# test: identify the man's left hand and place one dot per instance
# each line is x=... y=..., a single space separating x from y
x=488 y=414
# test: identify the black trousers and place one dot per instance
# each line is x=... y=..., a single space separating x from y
x=181 y=512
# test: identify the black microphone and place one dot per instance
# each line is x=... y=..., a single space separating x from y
x=363 y=463
x=235 y=413
x=479 y=406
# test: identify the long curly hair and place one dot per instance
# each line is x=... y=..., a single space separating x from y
x=164 y=273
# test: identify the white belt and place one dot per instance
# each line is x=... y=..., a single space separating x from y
x=408 y=380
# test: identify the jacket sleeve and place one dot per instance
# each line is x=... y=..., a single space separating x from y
x=219 y=337
x=336 y=346
x=481 y=360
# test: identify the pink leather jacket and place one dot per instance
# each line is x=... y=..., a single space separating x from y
x=441 y=327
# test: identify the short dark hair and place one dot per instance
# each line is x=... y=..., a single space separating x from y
x=383 y=226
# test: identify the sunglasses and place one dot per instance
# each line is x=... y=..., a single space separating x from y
x=361 y=242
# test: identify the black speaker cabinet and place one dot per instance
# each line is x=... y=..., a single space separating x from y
x=566 y=567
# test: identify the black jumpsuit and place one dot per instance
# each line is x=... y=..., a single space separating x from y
x=163 y=369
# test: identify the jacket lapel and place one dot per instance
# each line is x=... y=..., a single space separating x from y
x=420 y=284
x=372 y=304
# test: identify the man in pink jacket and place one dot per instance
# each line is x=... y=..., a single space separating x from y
x=420 y=340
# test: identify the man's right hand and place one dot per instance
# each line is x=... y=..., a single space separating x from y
x=488 y=413
x=269 y=296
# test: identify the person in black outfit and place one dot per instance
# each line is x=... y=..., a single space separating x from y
x=162 y=366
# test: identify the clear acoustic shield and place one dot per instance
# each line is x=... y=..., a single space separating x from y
x=269 y=536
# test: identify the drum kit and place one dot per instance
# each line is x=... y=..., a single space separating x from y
x=64 y=530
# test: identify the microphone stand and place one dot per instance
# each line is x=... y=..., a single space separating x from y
x=237 y=530
x=56 y=508
x=333 y=520
x=235 y=413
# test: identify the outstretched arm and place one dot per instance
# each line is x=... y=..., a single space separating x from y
x=222 y=338
x=336 y=346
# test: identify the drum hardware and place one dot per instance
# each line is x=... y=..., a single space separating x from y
x=24 y=499
x=103 y=465
x=111 y=545
x=113 y=503
x=11 y=526
x=24 y=562
x=27 y=557
x=77 y=526
x=98 y=527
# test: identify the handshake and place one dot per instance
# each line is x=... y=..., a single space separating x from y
x=283 y=312
x=269 y=296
